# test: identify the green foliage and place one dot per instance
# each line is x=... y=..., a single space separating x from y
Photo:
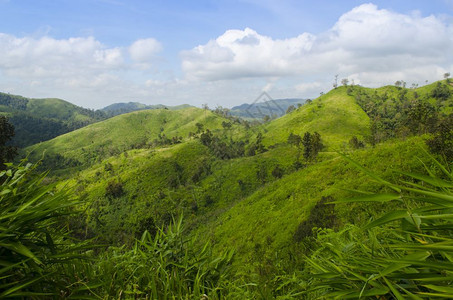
x=114 y=189
x=442 y=141
x=355 y=143
x=312 y=145
x=134 y=173
x=137 y=130
x=290 y=109
x=7 y=153
x=278 y=172
x=335 y=115
x=167 y=265
x=412 y=260
x=37 y=255
x=441 y=91
x=400 y=112
x=37 y=120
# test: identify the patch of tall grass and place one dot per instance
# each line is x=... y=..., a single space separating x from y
x=407 y=253
x=37 y=254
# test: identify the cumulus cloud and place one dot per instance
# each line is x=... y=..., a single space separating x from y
x=364 y=40
x=144 y=50
x=47 y=57
x=245 y=53
x=46 y=65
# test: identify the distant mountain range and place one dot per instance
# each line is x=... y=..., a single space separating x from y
x=265 y=106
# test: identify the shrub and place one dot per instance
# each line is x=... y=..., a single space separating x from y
x=114 y=189
x=278 y=172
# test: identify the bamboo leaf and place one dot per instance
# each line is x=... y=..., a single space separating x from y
x=372 y=198
x=387 y=218
x=434 y=181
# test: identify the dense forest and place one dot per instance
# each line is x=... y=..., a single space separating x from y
x=347 y=196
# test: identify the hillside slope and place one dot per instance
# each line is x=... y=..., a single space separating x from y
x=37 y=120
x=141 y=129
x=335 y=115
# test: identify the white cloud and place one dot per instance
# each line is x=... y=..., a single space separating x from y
x=143 y=51
x=370 y=45
x=79 y=69
x=51 y=58
x=365 y=40
x=245 y=53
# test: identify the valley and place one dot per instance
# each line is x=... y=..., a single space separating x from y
x=241 y=209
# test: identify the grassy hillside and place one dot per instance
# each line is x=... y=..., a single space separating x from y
x=37 y=120
x=335 y=115
x=133 y=130
x=264 y=224
x=245 y=188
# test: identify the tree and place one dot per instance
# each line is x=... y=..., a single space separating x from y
x=226 y=125
x=294 y=140
x=306 y=142
x=316 y=144
x=421 y=117
x=344 y=81
x=261 y=173
x=355 y=143
x=442 y=141
x=206 y=137
x=441 y=92
x=7 y=153
x=199 y=127
x=278 y=172
x=290 y=109
x=446 y=75
x=335 y=83
x=114 y=189
x=312 y=145
x=259 y=144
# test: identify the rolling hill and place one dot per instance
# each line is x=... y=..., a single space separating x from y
x=135 y=172
x=37 y=120
x=140 y=129
x=336 y=116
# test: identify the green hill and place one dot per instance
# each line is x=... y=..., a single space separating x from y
x=244 y=187
x=335 y=115
x=37 y=120
x=141 y=129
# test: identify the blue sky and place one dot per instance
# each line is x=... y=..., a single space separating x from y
x=96 y=52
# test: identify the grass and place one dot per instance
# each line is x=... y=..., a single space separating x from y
x=335 y=115
x=269 y=217
x=409 y=259
x=101 y=140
